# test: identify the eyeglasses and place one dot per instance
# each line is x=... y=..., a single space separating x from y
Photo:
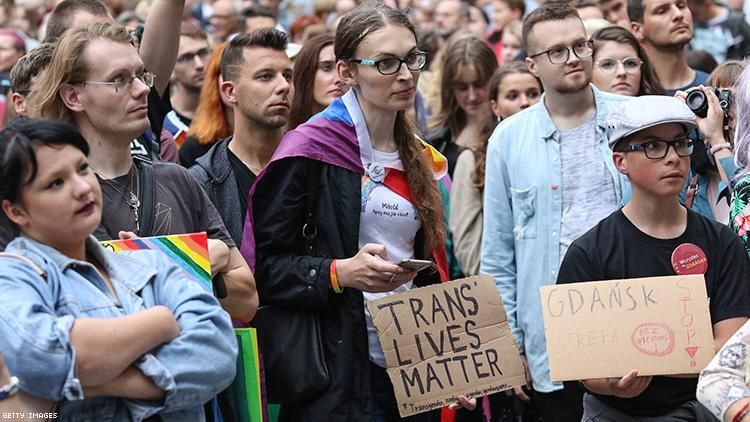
x=656 y=150
x=629 y=64
x=392 y=65
x=122 y=82
x=202 y=54
x=560 y=55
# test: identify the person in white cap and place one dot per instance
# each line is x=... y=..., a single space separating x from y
x=646 y=238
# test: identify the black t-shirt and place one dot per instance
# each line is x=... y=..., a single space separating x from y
x=188 y=121
x=245 y=179
x=616 y=249
x=191 y=150
x=180 y=206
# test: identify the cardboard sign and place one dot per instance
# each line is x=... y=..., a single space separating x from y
x=446 y=340
x=189 y=251
x=657 y=325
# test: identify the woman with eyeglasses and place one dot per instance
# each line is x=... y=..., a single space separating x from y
x=620 y=64
x=90 y=334
x=348 y=195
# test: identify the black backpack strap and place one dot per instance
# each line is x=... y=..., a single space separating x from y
x=147 y=190
x=309 y=229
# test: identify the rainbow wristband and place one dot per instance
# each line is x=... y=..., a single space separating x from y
x=335 y=279
x=744 y=410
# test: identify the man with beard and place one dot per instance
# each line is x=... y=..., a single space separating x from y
x=549 y=179
x=257 y=81
x=664 y=27
x=187 y=80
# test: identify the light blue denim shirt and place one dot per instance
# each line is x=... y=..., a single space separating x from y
x=701 y=204
x=522 y=219
x=36 y=316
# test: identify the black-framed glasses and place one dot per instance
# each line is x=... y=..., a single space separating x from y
x=656 y=150
x=629 y=64
x=122 y=82
x=203 y=54
x=389 y=66
x=560 y=55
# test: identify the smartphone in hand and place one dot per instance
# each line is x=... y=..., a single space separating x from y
x=416 y=265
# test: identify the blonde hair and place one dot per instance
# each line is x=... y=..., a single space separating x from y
x=69 y=66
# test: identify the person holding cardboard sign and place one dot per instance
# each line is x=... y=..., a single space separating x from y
x=347 y=196
x=549 y=178
x=654 y=235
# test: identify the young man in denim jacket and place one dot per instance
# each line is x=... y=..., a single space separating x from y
x=549 y=179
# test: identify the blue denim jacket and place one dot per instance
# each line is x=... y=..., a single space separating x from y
x=36 y=316
x=522 y=219
x=701 y=204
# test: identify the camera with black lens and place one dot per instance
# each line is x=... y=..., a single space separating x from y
x=698 y=102
x=701 y=159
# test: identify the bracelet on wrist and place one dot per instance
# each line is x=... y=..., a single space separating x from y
x=335 y=279
x=718 y=147
x=10 y=389
x=744 y=410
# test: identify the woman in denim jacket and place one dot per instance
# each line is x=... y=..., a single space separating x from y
x=93 y=335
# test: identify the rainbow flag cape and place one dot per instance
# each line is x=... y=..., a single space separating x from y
x=189 y=251
x=333 y=137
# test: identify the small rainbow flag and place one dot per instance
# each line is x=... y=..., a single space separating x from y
x=189 y=251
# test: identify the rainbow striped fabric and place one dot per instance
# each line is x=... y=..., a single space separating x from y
x=189 y=251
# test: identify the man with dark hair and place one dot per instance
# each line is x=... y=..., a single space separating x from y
x=549 y=178
x=257 y=81
x=719 y=30
x=26 y=72
x=647 y=238
x=187 y=80
x=257 y=17
x=664 y=28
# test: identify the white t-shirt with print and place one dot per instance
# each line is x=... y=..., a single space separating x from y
x=390 y=220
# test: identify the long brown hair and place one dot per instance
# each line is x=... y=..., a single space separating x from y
x=210 y=123
x=305 y=68
x=477 y=178
x=650 y=84
x=354 y=27
x=463 y=49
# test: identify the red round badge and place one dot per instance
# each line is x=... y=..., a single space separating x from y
x=689 y=259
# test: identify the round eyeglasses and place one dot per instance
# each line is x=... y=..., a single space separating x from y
x=392 y=65
x=629 y=64
x=656 y=150
x=560 y=55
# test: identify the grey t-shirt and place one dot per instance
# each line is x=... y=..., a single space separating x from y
x=588 y=191
x=180 y=206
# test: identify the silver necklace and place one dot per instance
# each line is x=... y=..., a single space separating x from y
x=131 y=199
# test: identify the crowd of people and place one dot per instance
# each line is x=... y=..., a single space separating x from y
x=319 y=145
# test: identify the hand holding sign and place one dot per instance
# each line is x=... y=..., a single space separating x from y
x=627 y=387
x=368 y=271
x=447 y=344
